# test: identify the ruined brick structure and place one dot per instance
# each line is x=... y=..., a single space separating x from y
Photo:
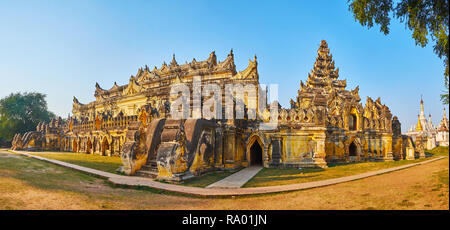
x=326 y=123
x=46 y=137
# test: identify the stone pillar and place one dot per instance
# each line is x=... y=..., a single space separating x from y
x=276 y=151
x=431 y=143
x=374 y=144
x=387 y=147
x=365 y=147
x=379 y=146
x=397 y=143
x=319 y=155
x=266 y=156
x=218 y=148
x=229 y=150
x=420 y=146
x=371 y=147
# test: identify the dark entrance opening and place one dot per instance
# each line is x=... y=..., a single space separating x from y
x=256 y=154
x=352 y=149
x=105 y=146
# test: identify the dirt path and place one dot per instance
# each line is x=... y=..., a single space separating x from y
x=31 y=184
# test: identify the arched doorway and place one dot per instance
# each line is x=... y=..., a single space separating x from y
x=256 y=154
x=105 y=146
x=352 y=150
x=75 y=146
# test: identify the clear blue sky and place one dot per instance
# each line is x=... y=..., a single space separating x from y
x=61 y=48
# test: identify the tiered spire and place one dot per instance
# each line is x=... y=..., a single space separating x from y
x=324 y=71
x=443 y=126
x=422 y=114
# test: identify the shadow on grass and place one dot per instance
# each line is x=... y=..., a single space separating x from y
x=273 y=177
x=41 y=174
x=98 y=162
x=51 y=177
x=438 y=151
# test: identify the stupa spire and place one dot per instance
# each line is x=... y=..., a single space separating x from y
x=419 y=125
x=422 y=113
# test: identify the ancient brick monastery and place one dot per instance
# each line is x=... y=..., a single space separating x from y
x=326 y=123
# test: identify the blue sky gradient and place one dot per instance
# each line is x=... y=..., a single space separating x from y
x=61 y=48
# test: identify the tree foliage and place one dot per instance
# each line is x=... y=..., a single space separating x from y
x=425 y=18
x=20 y=113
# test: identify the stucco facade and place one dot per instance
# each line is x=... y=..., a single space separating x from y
x=325 y=123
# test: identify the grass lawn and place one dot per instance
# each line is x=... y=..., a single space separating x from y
x=266 y=177
x=272 y=176
x=27 y=183
x=438 y=151
x=207 y=179
x=103 y=163
x=110 y=164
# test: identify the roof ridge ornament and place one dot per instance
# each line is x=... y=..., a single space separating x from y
x=212 y=60
x=173 y=62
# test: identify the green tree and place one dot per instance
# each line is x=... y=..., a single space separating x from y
x=20 y=113
x=425 y=18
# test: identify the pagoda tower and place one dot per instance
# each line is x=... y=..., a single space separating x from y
x=442 y=137
x=443 y=125
x=423 y=119
x=322 y=81
x=324 y=73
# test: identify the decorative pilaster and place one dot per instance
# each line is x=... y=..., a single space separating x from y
x=276 y=151
x=420 y=146
x=319 y=155
x=266 y=156
x=387 y=147
x=365 y=147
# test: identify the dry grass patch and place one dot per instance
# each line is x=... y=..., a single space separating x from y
x=54 y=187
x=112 y=163
x=439 y=151
x=103 y=163
x=206 y=179
x=273 y=176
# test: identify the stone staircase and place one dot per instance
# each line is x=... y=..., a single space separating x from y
x=149 y=170
x=168 y=135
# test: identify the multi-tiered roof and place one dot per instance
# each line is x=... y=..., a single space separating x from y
x=323 y=89
x=324 y=73
x=323 y=79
